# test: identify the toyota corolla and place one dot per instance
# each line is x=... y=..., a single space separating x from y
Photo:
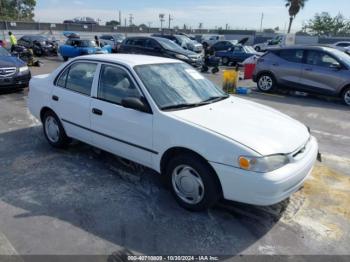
x=165 y=115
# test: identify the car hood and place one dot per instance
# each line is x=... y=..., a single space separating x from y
x=10 y=61
x=260 y=128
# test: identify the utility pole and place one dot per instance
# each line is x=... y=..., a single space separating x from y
x=120 y=17
x=261 y=22
x=170 y=19
x=149 y=26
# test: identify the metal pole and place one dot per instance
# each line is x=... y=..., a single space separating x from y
x=261 y=23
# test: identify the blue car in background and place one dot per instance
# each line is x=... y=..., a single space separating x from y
x=76 y=47
x=236 y=54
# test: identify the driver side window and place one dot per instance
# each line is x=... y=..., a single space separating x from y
x=115 y=84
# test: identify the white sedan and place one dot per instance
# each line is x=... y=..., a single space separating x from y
x=164 y=115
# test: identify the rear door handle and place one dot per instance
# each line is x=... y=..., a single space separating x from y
x=308 y=69
x=275 y=64
x=55 y=98
x=97 y=111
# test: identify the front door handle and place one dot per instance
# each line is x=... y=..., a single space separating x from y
x=308 y=69
x=55 y=98
x=97 y=111
x=275 y=64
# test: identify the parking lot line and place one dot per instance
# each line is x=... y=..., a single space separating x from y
x=6 y=247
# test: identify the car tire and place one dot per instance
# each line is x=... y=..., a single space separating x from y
x=266 y=82
x=225 y=61
x=346 y=96
x=65 y=59
x=257 y=49
x=54 y=131
x=187 y=172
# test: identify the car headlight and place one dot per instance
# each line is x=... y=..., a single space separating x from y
x=23 y=69
x=182 y=57
x=262 y=164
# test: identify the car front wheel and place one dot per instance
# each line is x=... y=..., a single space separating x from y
x=54 y=131
x=346 y=96
x=193 y=182
x=266 y=83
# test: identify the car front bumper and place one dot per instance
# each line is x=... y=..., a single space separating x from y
x=18 y=81
x=265 y=189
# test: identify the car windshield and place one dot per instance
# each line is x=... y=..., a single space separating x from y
x=178 y=86
x=344 y=57
x=168 y=44
x=87 y=43
x=183 y=39
x=4 y=52
x=249 y=49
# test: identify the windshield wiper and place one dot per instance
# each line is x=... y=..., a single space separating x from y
x=214 y=99
x=179 y=106
x=205 y=102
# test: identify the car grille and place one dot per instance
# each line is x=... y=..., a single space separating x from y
x=8 y=71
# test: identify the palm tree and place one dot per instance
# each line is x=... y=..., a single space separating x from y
x=294 y=8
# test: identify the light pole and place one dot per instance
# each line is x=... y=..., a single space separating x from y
x=161 y=18
x=170 y=19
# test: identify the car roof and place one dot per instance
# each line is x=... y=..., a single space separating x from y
x=130 y=59
x=305 y=47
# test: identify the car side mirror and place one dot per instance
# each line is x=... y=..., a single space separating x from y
x=136 y=103
x=335 y=66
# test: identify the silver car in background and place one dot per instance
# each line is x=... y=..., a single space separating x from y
x=312 y=69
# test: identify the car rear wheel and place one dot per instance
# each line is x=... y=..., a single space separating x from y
x=225 y=61
x=65 y=59
x=193 y=183
x=54 y=131
x=257 y=49
x=266 y=83
x=346 y=96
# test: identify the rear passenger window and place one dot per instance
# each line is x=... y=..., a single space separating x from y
x=115 y=85
x=291 y=55
x=78 y=78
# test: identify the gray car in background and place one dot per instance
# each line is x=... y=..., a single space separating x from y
x=312 y=69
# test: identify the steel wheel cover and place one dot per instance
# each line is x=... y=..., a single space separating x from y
x=51 y=129
x=188 y=184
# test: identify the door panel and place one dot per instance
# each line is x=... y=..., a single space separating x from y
x=317 y=76
x=288 y=67
x=71 y=99
x=124 y=132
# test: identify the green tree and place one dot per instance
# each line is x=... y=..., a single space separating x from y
x=294 y=7
x=18 y=10
x=325 y=25
x=113 y=23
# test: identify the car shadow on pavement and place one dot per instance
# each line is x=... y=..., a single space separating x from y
x=287 y=97
x=115 y=200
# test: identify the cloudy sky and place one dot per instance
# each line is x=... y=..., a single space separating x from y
x=239 y=14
